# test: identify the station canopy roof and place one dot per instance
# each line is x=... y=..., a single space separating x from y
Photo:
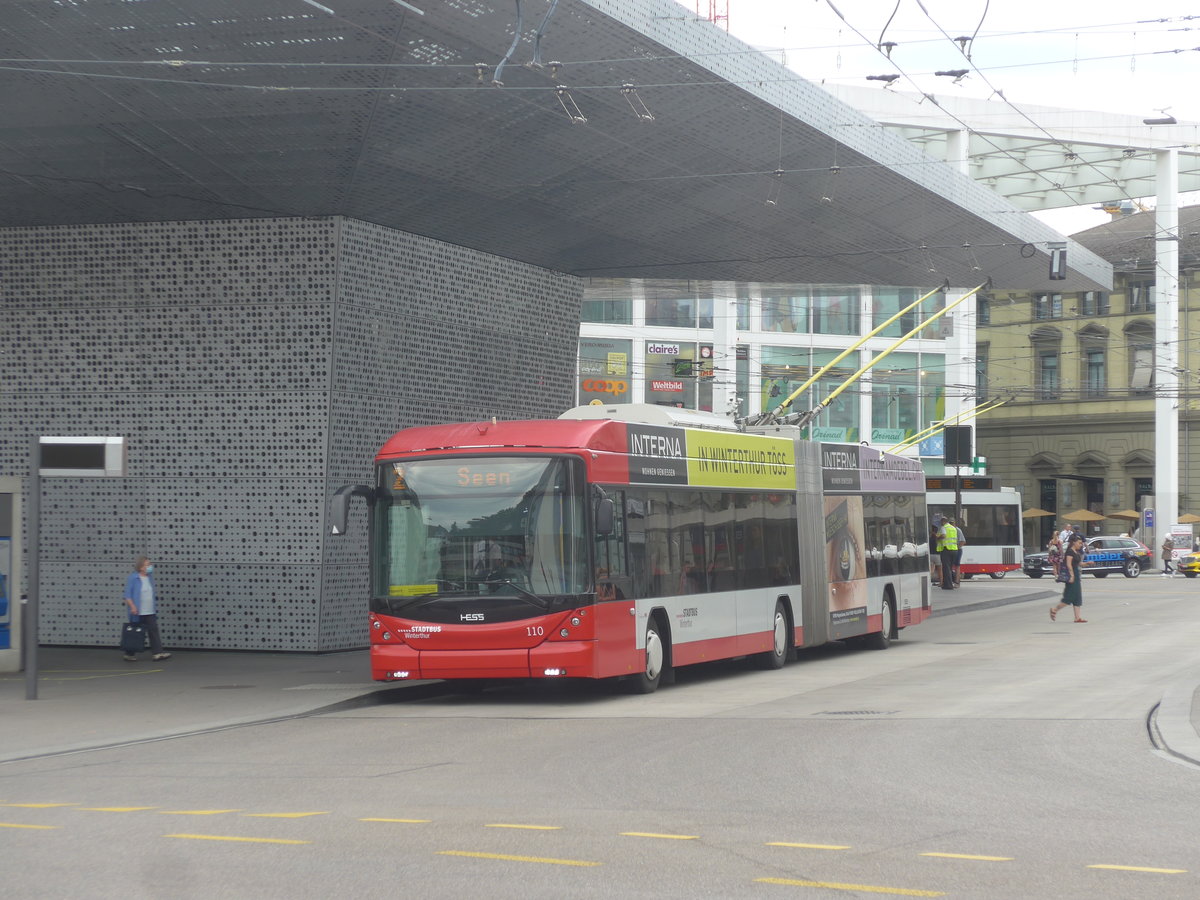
x=630 y=138
x=1038 y=157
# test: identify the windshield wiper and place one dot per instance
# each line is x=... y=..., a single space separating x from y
x=541 y=602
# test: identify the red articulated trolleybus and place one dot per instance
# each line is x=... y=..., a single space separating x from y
x=626 y=541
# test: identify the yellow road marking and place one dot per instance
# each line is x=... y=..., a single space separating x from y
x=14 y=825
x=808 y=846
x=669 y=837
x=38 y=805
x=116 y=808
x=1141 y=869
x=866 y=888
x=409 y=821
x=530 y=827
x=533 y=859
x=245 y=840
x=970 y=856
x=295 y=815
x=196 y=812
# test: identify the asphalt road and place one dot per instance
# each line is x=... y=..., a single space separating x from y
x=985 y=755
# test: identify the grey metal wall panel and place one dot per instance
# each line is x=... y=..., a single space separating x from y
x=254 y=365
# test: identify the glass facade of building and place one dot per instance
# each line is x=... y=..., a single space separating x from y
x=669 y=342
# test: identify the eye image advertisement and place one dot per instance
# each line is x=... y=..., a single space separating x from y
x=844 y=557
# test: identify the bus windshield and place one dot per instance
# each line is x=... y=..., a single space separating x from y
x=480 y=525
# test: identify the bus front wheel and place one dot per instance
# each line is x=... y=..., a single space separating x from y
x=648 y=680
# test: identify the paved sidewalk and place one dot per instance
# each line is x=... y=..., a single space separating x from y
x=90 y=698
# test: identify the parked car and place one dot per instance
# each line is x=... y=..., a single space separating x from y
x=1102 y=555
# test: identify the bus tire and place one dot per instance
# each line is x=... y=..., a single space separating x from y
x=882 y=639
x=996 y=575
x=657 y=656
x=781 y=629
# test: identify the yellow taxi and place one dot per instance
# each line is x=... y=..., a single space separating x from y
x=1189 y=564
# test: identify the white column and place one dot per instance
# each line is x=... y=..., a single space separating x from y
x=637 y=355
x=724 y=388
x=1166 y=348
x=959 y=347
x=957 y=149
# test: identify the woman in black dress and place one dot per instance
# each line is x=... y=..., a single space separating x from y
x=1072 y=594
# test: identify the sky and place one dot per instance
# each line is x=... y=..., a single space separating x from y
x=1131 y=58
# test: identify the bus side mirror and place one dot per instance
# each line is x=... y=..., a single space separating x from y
x=605 y=515
x=339 y=506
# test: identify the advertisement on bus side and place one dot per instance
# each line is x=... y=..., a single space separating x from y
x=665 y=455
x=846 y=564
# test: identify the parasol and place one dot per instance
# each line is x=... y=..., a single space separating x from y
x=1132 y=515
x=1035 y=513
x=1082 y=515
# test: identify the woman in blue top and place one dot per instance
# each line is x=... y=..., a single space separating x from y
x=140 y=598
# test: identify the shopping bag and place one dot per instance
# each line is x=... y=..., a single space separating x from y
x=133 y=637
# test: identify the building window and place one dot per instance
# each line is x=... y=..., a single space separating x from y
x=1139 y=341
x=983 y=309
x=1140 y=294
x=981 y=372
x=671 y=374
x=895 y=401
x=1047 y=374
x=835 y=311
x=607 y=301
x=1096 y=373
x=1093 y=360
x=1047 y=306
x=604 y=370
x=786 y=312
x=887 y=301
x=1093 y=303
x=607 y=312
x=743 y=312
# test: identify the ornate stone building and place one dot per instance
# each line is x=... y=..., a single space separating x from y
x=1079 y=374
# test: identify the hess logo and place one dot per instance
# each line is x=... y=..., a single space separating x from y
x=471 y=617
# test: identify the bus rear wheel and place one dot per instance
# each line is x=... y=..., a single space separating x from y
x=648 y=680
x=781 y=644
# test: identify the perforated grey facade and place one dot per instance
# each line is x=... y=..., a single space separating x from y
x=254 y=365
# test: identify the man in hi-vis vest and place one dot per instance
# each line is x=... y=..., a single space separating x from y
x=947 y=546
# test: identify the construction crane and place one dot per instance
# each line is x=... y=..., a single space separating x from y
x=718 y=11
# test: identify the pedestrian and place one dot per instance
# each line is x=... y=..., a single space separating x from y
x=1054 y=553
x=141 y=598
x=934 y=558
x=962 y=542
x=948 y=550
x=1064 y=535
x=1072 y=594
x=1168 y=551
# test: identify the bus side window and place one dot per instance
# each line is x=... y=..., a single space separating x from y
x=610 y=548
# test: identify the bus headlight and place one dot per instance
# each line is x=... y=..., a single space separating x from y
x=564 y=633
x=576 y=622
